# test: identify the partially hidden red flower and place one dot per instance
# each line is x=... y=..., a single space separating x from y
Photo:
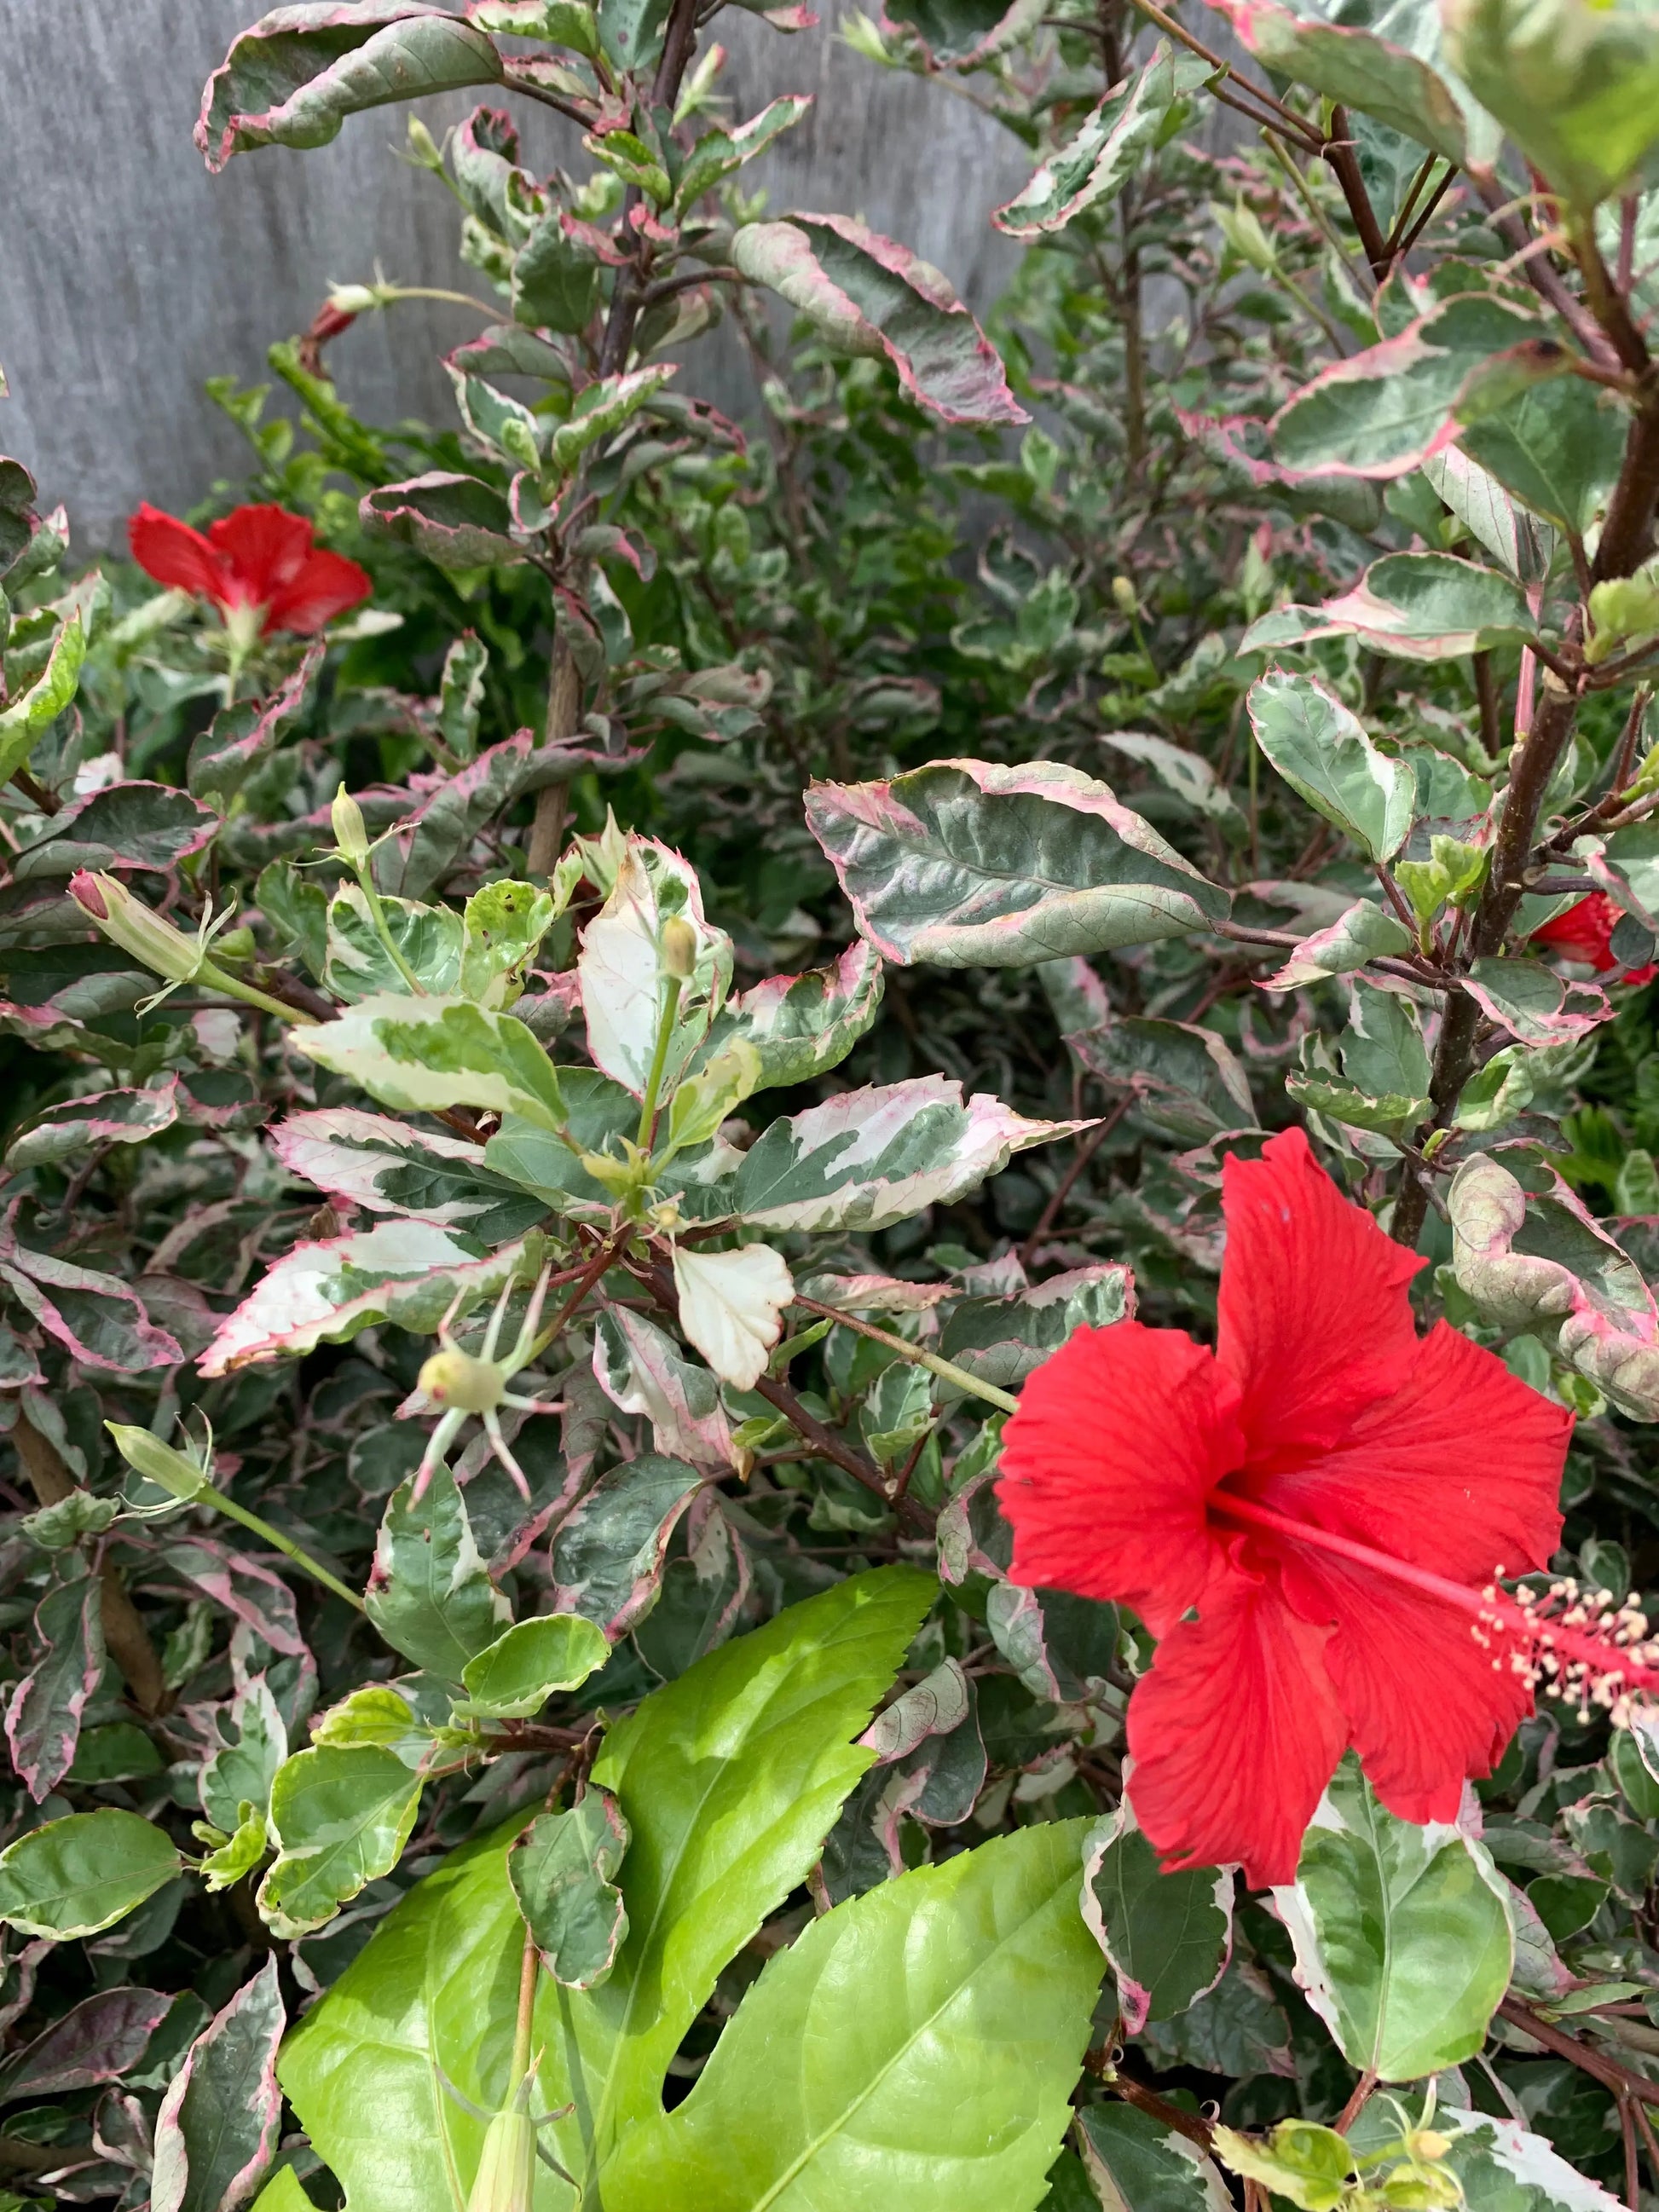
x=1584 y=932
x=261 y=558
x=1309 y=1518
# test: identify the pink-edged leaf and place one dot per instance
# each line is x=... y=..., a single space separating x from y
x=1366 y=932
x=96 y=2040
x=242 y=735
x=1350 y=64
x=91 y=1315
x=1571 y=1272
x=18 y=520
x=1420 y=606
x=608 y=1556
x=216 y=2130
x=803 y=1025
x=43 y=1716
x=457 y=521
x=422 y=850
x=1102 y=156
x=126 y=825
x=405 y=1271
x=1534 y=1003
x=973 y=1537
x=1239 y=443
x=1384 y=412
x=392 y=1167
x=866 y=295
x=641 y=1369
x=253 y=1593
x=1168 y=1937
x=930 y=1765
x=875 y=1293
x=867 y=1158
x=970 y=864
x=294 y=77
x=99 y=1117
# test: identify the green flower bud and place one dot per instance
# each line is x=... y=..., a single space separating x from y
x=350 y=836
x=157 y=1462
x=456 y=1379
x=422 y=146
x=678 y=946
x=137 y=928
x=352 y=299
x=1124 y=596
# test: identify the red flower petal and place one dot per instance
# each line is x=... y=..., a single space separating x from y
x=1235 y=1733
x=266 y=548
x=1584 y=932
x=1458 y=1469
x=1425 y=1706
x=172 y=553
x=325 y=587
x=1315 y=1318
x=1106 y=1467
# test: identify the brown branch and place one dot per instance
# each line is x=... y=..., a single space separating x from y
x=125 y=1638
x=564 y=706
x=1062 y=1190
x=1339 y=150
x=824 y=1441
x=1541 y=273
x=1621 y=2079
x=1287 y=119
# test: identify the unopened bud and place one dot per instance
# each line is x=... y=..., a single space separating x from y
x=1124 y=597
x=422 y=146
x=456 y=1379
x=1429 y=2142
x=137 y=928
x=350 y=836
x=506 y=2178
x=157 y=1462
x=679 y=945
x=352 y=299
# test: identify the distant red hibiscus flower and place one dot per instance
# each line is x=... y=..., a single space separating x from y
x=258 y=561
x=1334 y=1496
x=1584 y=932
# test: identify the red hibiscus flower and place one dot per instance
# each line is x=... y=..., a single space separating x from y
x=1584 y=932
x=1311 y=1519
x=258 y=561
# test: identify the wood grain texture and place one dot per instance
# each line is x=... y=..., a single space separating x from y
x=128 y=275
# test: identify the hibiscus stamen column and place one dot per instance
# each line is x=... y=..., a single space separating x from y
x=1581 y=1646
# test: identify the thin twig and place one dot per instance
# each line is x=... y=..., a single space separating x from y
x=1062 y=1190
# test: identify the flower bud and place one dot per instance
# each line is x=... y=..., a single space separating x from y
x=157 y=1462
x=678 y=946
x=137 y=928
x=1429 y=2142
x=350 y=836
x=352 y=299
x=506 y=2178
x=456 y=1379
x=1124 y=597
x=422 y=146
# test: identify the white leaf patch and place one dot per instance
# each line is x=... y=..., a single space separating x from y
x=730 y=1307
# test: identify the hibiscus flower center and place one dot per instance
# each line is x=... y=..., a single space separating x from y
x=1582 y=1646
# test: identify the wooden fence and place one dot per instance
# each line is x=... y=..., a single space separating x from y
x=127 y=275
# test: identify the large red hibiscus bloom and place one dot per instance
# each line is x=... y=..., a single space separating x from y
x=1310 y=1518
x=1584 y=932
x=258 y=563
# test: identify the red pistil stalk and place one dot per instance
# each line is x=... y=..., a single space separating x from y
x=1576 y=1644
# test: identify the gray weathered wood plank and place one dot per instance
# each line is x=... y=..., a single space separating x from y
x=127 y=275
